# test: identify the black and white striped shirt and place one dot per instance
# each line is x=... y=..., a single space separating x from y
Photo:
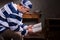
x=11 y=18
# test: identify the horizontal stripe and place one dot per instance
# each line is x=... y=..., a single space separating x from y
x=3 y=19
x=2 y=15
x=23 y=32
x=12 y=8
x=26 y=32
x=2 y=29
x=24 y=1
x=4 y=26
x=13 y=20
x=7 y=9
x=30 y=6
x=23 y=25
x=15 y=17
x=14 y=5
x=4 y=23
x=26 y=26
x=13 y=27
x=17 y=29
x=12 y=24
x=2 y=9
x=6 y=14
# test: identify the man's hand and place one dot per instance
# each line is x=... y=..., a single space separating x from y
x=30 y=29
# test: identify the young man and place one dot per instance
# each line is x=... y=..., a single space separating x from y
x=11 y=19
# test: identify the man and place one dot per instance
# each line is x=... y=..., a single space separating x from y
x=11 y=19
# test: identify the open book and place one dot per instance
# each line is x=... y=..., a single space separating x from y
x=37 y=27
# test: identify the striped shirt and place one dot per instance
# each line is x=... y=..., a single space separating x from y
x=11 y=18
